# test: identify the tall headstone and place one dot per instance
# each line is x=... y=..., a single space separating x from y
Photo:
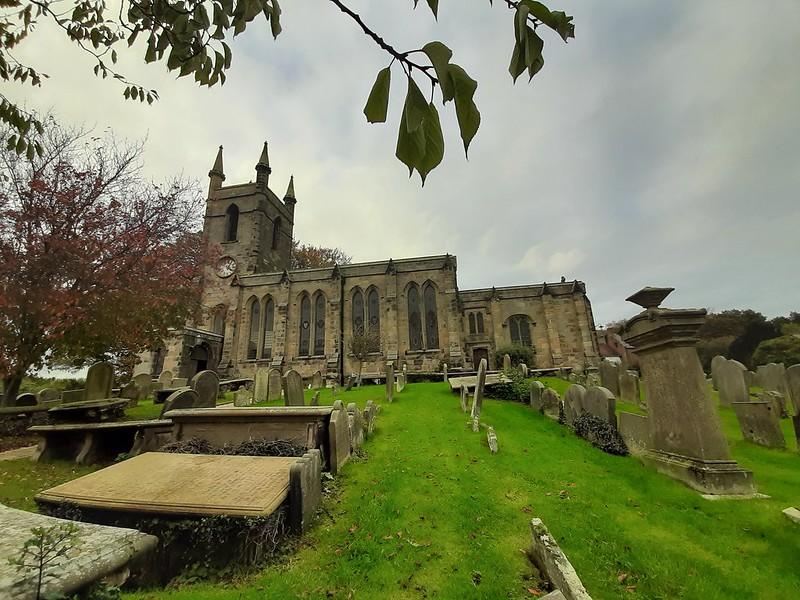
x=793 y=384
x=551 y=403
x=772 y=378
x=99 y=381
x=293 y=392
x=573 y=403
x=477 y=399
x=355 y=423
x=600 y=402
x=536 y=389
x=389 y=382
x=261 y=384
x=629 y=387
x=144 y=384
x=687 y=439
x=165 y=379
x=444 y=371
x=506 y=362
x=274 y=384
x=730 y=382
x=760 y=421
x=206 y=384
x=464 y=395
x=715 y=364
x=609 y=376
x=26 y=399
x=316 y=380
x=183 y=398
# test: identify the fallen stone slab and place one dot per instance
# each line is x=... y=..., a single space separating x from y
x=554 y=564
x=100 y=552
x=18 y=453
x=792 y=514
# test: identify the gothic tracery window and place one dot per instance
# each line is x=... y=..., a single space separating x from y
x=319 y=325
x=358 y=313
x=472 y=323
x=480 y=322
x=269 y=325
x=276 y=233
x=414 y=319
x=374 y=312
x=252 y=337
x=305 y=326
x=520 y=330
x=431 y=317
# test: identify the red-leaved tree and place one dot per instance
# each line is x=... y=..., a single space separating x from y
x=95 y=261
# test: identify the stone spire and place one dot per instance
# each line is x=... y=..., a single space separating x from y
x=216 y=174
x=263 y=169
x=289 y=200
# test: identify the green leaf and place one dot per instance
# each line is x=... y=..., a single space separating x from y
x=558 y=21
x=416 y=107
x=517 y=65
x=434 y=143
x=410 y=145
x=521 y=22
x=434 y=4
x=533 y=53
x=469 y=117
x=275 y=21
x=378 y=102
x=440 y=56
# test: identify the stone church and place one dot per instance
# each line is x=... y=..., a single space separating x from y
x=258 y=312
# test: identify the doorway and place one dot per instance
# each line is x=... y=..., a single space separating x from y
x=477 y=355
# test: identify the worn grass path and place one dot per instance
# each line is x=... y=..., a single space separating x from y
x=432 y=514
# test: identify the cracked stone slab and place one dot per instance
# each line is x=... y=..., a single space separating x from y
x=100 y=551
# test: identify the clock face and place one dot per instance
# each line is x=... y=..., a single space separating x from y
x=226 y=266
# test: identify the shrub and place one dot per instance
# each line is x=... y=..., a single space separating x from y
x=784 y=349
x=518 y=353
x=600 y=433
x=516 y=390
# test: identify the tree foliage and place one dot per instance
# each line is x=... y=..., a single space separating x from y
x=362 y=345
x=192 y=38
x=307 y=256
x=94 y=260
x=784 y=349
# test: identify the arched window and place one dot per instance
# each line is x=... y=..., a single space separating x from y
x=276 y=233
x=520 y=330
x=431 y=319
x=269 y=325
x=232 y=223
x=358 y=313
x=480 y=322
x=218 y=324
x=414 y=318
x=252 y=338
x=374 y=312
x=472 y=322
x=305 y=325
x=319 y=325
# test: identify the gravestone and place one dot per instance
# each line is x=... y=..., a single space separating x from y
x=355 y=422
x=182 y=398
x=772 y=378
x=48 y=396
x=370 y=411
x=524 y=368
x=778 y=399
x=477 y=398
x=601 y=403
x=760 y=421
x=609 y=376
x=506 y=362
x=573 y=403
x=629 y=387
x=165 y=379
x=72 y=396
x=243 y=397
x=491 y=440
x=730 y=382
x=444 y=371
x=143 y=383
x=130 y=391
x=536 y=389
x=793 y=386
x=686 y=434
x=26 y=399
x=401 y=382
x=551 y=403
x=316 y=381
x=99 y=381
x=206 y=384
x=274 y=385
x=715 y=364
x=464 y=401
x=351 y=379
x=389 y=382
x=750 y=378
x=315 y=399
x=180 y=382
x=635 y=431
x=293 y=389
x=261 y=384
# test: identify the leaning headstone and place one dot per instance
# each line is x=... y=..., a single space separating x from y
x=715 y=364
x=293 y=392
x=629 y=387
x=506 y=362
x=26 y=399
x=165 y=379
x=573 y=403
x=243 y=397
x=275 y=382
x=315 y=399
x=355 y=423
x=635 y=431
x=730 y=382
x=609 y=376
x=491 y=439
x=600 y=402
x=536 y=389
x=261 y=384
x=550 y=403
x=687 y=438
x=444 y=371
x=793 y=386
x=48 y=396
x=760 y=422
x=206 y=384
x=477 y=399
x=772 y=378
x=778 y=400
x=183 y=398
x=464 y=395
x=99 y=381
x=751 y=379
x=316 y=381
x=389 y=382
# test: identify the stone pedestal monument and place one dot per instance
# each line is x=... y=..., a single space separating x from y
x=687 y=439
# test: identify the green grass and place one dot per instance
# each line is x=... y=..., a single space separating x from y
x=431 y=506
x=21 y=480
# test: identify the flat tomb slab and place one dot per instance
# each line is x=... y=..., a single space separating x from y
x=182 y=484
x=101 y=551
x=101 y=426
x=491 y=379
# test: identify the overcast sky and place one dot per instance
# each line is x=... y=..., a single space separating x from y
x=661 y=146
